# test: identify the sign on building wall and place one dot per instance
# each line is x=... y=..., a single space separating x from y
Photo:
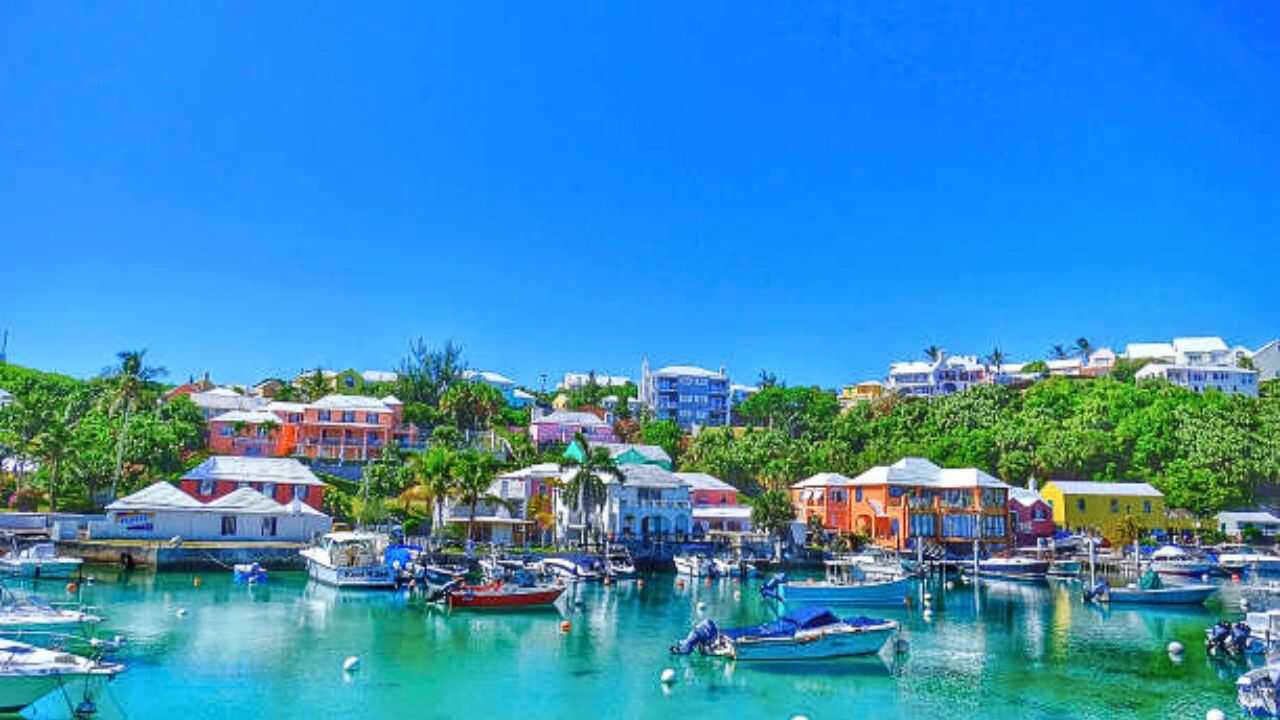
x=136 y=521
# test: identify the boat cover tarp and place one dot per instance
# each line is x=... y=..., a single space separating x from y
x=1150 y=580
x=795 y=621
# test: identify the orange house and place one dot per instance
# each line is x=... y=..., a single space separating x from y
x=281 y=479
x=911 y=500
x=253 y=433
x=352 y=427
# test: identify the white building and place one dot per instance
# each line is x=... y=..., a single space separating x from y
x=649 y=502
x=1099 y=362
x=1266 y=360
x=947 y=375
x=5 y=397
x=1066 y=367
x=1227 y=378
x=1202 y=351
x=219 y=400
x=1233 y=523
x=162 y=511
x=510 y=522
x=577 y=380
x=1158 y=352
x=1011 y=374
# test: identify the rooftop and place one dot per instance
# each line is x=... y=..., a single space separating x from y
x=649 y=452
x=909 y=471
x=1257 y=517
x=157 y=496
x=286 y=471
x=487 y=376
x=250 y=501
x=689 y=371
x=703 y=481
x=569 y=417
x=350 y=402
x=1127 y=489
x=1199 y=344
x=1149 y=351
x=249 y=417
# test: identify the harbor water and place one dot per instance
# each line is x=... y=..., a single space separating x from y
x=1001 y=650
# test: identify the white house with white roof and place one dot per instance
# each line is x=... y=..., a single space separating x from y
x=650 y=502
x=1202 y=351
x=1234 y=523
x=1266 y=360
x=1225 y=378
x=5 y=397
x=1157 y=352
x=503 y=384
x=161 y=511
x=219 y=400
x=931 y=378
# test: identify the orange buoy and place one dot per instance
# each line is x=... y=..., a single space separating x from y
x=195 y=582
x=1235 y=577
x=680 y=583
x=72 y=587
x=607 y=580
x=565 y=626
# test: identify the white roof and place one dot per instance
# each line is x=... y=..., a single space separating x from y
x=1162 y=369
x=823 y=480
x=748 y=389
x=221 y=398
x=689 y=371
x=1199 y=344
x=920 y=472
x=1149 y=351
x=381 y=376
x=1257 y=517
x=912 y=367
x=1025 y=497
x=576 y=378
x=522 y=394
x=157 y=496
x=287 y=407
x=1064 y=364
x=350 y=402
x=391 y=400
x=540 y=470
x=5 y=395
x=649 y=452
x=488 y=376
x=1128 y=489
x=703 y=481
x=232 y=468
x=642 y=475
x=568 y=417
x=247 y=500
x=251 y=417
x=722 y=512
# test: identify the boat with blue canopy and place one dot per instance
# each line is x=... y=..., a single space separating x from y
x=846 y=583
x=803 y=634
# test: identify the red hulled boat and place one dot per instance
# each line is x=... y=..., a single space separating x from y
x=499 y=595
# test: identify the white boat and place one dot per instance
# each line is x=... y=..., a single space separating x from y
x=33 y=613
x=846 y=583
x=1145 y=593
x=574 y=568
x=1066 y=568
x=1013 y=568
x=1173 y=560
x=695 y=565
x=618 y=564
x=804 y=634
x=349 y=560
x=40 y=561
x=1256 y=692
x=28 y=673
x=1235 y=558
x=734 y=567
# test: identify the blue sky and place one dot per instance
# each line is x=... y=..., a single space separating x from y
x=814 y=188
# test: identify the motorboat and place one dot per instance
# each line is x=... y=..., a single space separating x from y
x=804 y=634
x=695 y=565
x=30 y=612
x=1065 y=568
x=1235 y=558
x=349 y=560
x=618 y=564
x=520 y=591
x=1256 y=692
x=1173 y=560
x=441 y=574
x=1013 y=568
x=573 y=568
x=846 y=583
x=40 y=561
x=249 y=573
x=734 y=567
x=1150 y=591
x=28 y=673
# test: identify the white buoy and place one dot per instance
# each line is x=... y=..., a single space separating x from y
x=737 y=594
x=1244 y=603
x=799 y=717
x=1215 y=714
x=1175 y=648
x=182 y=612
x=951 y=584
x=702 y=606
x=351 y=664
x=668 y=676
x=928 y=615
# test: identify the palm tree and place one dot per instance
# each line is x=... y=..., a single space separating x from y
x=433 y=471
x=475 y=474
x=934 y=353
x=1084 y=348
x=54 y=447
x=314 y=385
x=996 y=359
x=128 y=382
x=1059 y=352
x=587 y=485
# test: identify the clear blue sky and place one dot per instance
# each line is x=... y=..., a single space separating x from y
x=810 y=187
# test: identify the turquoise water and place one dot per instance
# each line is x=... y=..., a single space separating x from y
x=276 y=651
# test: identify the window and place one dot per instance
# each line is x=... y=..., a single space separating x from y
x=206 y=487
x=269 y=489
x=227 y=431
x=1146 y=506
x=228 y=524
x=268 y=527
x=1115 y=505
x=348 y=417
x=857 y=494
x=371 y=418
x=1080 y=504
x=324 y=416
x=300 y=492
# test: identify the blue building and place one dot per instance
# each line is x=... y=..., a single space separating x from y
x=691 y=396
x=514 y=396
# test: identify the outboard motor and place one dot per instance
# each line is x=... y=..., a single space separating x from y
x=1097 y=591
x=769 y=590
x=1217 y=639
x=701 y=635
x=1240 y=633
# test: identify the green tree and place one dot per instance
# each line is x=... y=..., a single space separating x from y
x=471 y=404
x=475 y=474
x=130 y=382
x=933 y=353
x=427 y=374
x=773 y=513
x=434 y=471
x=1083 y=348
x=587 y=483
x=666 y=434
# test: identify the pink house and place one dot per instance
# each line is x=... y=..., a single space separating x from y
x=1032 y=516
x=561 y=427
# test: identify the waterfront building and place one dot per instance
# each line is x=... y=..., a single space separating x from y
x=219 y=400
x=510 y=394
x=1235 y=524
x=865 y=391
x=280 y=479
x=562 y=426
x=708 y=490
x=579 y=380
x=255 y=433
x=944 y=376
x=691 y=396
x=715 y=504
x=1266 y=360
x=1098 y=506
x=625 y=454
x=513 y=521
x=160 y=512
x=650 y=503
x=1225 y=378
x=1031 y=514
x=912 y=500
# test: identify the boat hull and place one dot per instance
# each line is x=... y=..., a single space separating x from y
x=17 y=692
x=34 y=568
x=568 y=570
x=814 y=647
x=1184 y=569
x=1182 y=595
x=504 y=599
x=372 y=577
x=695 y=567
x=890 y=592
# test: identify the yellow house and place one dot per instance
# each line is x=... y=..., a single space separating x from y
x=865 y=391
x=1100 y=505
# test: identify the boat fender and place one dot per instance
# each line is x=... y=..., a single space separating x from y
x=182 y=612
x=71 y=588
x=565 y=626
x=668 y=676
x=927 y=615
x=195 y=581
x=1175 y=648
x=702 y=607
x=1215 y=714
x=351 y=664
